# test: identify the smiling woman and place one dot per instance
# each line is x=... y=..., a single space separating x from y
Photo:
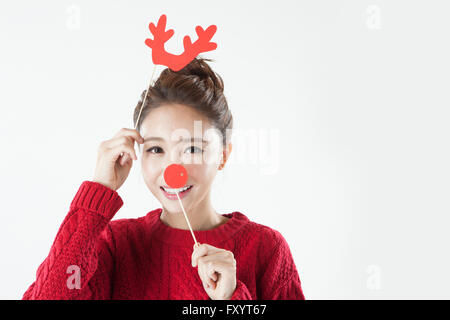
x=186 y=121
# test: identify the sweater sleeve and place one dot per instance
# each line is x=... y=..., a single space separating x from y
x=241 y=292
x=81 y=260
x=280 y=279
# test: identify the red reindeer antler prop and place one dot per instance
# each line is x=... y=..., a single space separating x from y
x=191 y=50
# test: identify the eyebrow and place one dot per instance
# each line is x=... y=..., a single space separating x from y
x=179 y=140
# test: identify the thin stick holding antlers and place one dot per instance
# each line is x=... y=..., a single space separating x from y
x=145 y=98
x=143 y=102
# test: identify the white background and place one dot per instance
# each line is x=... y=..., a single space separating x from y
x=357 y=91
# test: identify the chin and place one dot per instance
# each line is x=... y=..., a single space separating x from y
x=173 y=210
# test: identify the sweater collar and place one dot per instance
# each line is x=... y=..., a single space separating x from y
x=181 y=237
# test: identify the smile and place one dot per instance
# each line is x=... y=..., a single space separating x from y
x=171 y=193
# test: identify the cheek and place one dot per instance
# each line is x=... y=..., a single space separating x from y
x=212 y=157
x=151 y=171
x=203 y=174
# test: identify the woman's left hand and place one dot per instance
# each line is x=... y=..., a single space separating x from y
x=217 y=270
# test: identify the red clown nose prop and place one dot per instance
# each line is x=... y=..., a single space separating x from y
x=175 y=176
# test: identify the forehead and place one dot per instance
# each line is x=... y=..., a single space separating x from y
x=166 y=120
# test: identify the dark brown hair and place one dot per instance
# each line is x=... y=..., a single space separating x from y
x=196 y=86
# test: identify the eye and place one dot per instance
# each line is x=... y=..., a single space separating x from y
x=191 y=147
x=153 y=148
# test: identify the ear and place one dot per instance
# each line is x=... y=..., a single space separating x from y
x=225 y=155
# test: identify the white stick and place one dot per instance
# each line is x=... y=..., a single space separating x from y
x=137 y=121
x=145 y=98
x=143 y=103
x=187 y=220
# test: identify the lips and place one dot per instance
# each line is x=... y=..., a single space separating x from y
x=172 y=196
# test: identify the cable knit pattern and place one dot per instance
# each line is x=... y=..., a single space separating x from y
x=144 y=258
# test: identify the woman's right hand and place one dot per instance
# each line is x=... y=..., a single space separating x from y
x=112 y=167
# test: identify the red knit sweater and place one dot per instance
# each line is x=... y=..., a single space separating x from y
x=144 y=258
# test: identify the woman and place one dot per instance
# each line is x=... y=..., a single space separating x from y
x=185 y=120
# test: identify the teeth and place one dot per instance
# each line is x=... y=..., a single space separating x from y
x=174 y=191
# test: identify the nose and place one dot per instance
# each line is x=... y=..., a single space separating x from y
x=175 y=156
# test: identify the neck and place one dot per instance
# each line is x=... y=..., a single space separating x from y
x=201 y=217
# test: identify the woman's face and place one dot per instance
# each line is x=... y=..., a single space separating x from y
x=173 y=133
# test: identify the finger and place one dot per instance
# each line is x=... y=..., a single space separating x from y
x=128 y=140
x=131 y=154
x=198 y=252
x=212 y=279
x=203 y=277
x=207 y=265
x=211 y=283
x=125 y=149
x=194 y=255
x=130 y=133
x=207 y=281
x=211 y=249
x=218 y=262
x=222 y=255
x=203 y=250
x=125 y=159
x=218 y=270
x=209 y=273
